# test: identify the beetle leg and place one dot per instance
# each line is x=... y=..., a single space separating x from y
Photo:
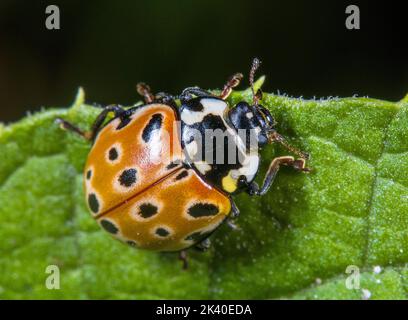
x=183 y=258
x=118 y=112
x=144 y=90
x=232 y=224
x=234 y=209
x=203 y=245
x=90 y=135
x=161 y=97
x=298 y=164
x=65 y=125
x=232 y=82
x=234 y=214
x=276 y=137
x=188 y=93
x=253 y=188
x=165 y=98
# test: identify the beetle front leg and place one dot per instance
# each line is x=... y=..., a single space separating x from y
x=297 y=164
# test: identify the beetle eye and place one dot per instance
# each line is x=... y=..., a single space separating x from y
x=266 y=116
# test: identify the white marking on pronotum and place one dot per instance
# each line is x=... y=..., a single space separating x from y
x=249 y=168
x=202 y=166
x=192 y=149
x=210 y=106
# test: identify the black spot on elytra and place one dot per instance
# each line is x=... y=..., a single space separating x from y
x=196 y=236
x=128 y=177
x=162 y=232
x=131 y=243
x=182 y=175
x=109 y=226
x=172 y=165
x=88 y=174
x=93 y=202
x=147 y=210
x=155 y=123
x=123 y=122
x=203 y=210
x=113 y=154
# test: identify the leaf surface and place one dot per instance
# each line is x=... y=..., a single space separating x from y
x=295 y=242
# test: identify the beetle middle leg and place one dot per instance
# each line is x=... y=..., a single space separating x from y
x=91 y=134
x=232 y=82
x=144 y=90
x=298 y=164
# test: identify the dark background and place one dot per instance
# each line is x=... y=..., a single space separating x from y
x=107 y=46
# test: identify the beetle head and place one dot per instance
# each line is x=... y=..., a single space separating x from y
x=254 y=117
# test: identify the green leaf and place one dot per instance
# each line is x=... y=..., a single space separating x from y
x=295 y=242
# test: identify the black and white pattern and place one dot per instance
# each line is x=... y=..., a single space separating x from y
x=212 y=145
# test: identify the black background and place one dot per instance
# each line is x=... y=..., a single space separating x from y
x=108 y=46
x=270 y=309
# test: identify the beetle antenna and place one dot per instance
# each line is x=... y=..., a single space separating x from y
x=256 y=95
x=276 y=137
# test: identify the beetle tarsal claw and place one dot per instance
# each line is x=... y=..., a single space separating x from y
x=300 y=165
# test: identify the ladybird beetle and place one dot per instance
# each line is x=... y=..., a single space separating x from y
x=166 y=194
